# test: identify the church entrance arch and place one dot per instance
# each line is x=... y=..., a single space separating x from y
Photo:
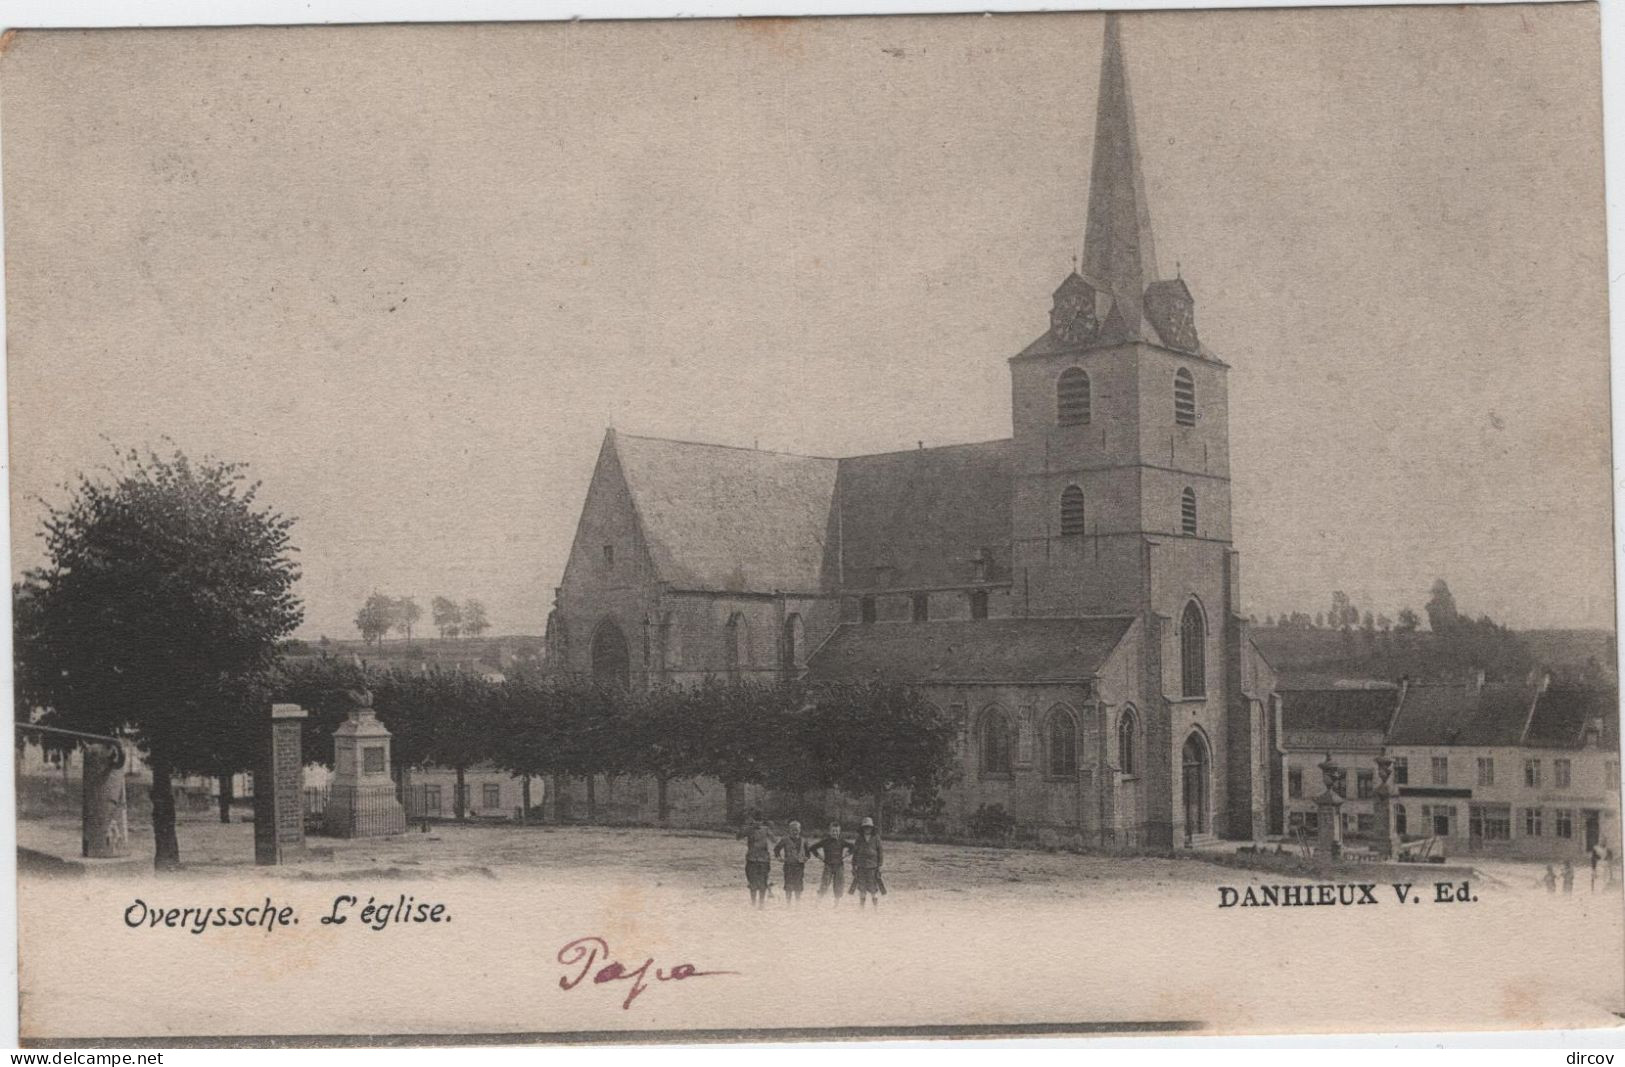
x=611 y=664
x=1196 y=784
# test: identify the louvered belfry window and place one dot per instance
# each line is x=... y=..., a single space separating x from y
x=1071 y=511
x=1184 y=398
x=1187 y=511
x=1072 y=398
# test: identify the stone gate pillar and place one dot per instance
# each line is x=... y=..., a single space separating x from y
x=279 y=790
x=1383 y=808
x=1329 y=805
x=104 y=825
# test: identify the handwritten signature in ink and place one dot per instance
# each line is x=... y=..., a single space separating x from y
x=587 y=953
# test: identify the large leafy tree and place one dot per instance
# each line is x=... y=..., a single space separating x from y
x=166 y=590
x=872 y=738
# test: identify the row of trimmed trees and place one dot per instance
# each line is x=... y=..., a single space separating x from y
x=864 y=739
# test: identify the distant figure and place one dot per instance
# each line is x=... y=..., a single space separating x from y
x=794 y=848
x=1608 y=858
x=832 y=849
x=1596 y=858
x=1568 y=877
x=866 y=860
x=1550 y=879
x=758 y=858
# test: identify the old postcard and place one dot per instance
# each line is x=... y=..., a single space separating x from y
x=949 y=525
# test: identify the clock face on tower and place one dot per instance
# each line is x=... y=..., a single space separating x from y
x=1073 y=316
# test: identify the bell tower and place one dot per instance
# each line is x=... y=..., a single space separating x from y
x=1121 y=503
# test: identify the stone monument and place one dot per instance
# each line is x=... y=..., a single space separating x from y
x=1329 y=804
x=361 y=799
x=279 y=790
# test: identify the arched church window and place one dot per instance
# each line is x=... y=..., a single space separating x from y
x=1193 y=651
x=1072 y=398
x=1071 y=511
x=1062 y=744
x=1184 y=398
x=1126 y=727
x=1187 y=511
x=995 y=742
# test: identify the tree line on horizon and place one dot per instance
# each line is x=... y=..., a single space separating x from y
x=382 y=613
x=1455 y=640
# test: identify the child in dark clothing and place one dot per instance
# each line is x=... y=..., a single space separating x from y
x=832 y=849
x=795 y=849
x=758 y=859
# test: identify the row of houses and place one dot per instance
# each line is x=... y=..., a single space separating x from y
x=1525 y=770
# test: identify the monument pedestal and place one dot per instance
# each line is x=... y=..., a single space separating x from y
x=361 y=800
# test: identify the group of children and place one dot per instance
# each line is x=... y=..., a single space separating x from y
x=1599 y=854
x=761 y=845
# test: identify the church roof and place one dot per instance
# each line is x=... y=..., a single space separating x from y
x=719 y=518
x=982 y=650
x=918 y=519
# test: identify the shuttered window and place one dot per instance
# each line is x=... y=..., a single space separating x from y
x=1184 y=398
x=1072 y=398
x=1072 y=511
x=1187 y=511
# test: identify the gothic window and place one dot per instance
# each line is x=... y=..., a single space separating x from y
x=1072 y=398
x=1061 y=742
x=1193 y=652
x=1187 y=511
x=922 y=607
x=1125 y=742
x=995 y=742
x=795 y=642
x=1184 y=398
x=1071 y=511
x=667 y=636
x=866 y=609
x=978 y=604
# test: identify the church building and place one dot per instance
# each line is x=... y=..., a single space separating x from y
x=1070 y=594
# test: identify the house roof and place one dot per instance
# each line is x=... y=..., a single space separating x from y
x=983 y=650
x=918 y=519
x=726 y=519
x=1491 y=716
x=1338 y=709
x=1564 y=712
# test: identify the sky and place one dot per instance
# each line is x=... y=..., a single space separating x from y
x=410 y=275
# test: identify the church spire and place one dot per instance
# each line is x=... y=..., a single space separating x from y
x=1118 y=249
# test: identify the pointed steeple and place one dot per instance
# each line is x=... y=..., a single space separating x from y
x=1118 y=248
